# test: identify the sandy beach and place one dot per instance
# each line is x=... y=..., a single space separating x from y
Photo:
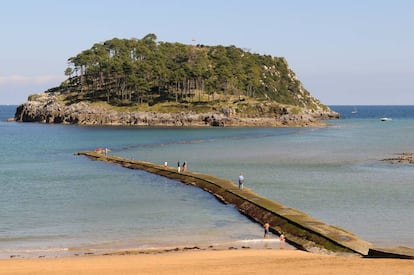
x=245 y=261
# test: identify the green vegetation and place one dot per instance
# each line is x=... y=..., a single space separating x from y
x=173 y=77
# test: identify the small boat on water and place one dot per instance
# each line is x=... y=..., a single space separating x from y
x=386 y=119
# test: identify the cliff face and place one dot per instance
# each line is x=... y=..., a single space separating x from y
x=47 y=108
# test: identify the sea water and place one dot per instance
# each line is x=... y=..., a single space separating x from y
x=55 y=203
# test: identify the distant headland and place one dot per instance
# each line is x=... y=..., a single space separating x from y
x=142 y=82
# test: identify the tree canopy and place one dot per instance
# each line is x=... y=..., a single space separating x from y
x=137 y=71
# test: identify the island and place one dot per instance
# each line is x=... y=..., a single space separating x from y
x=143 y=82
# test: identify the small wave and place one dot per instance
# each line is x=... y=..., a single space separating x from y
x=258 y=241
x=34 y=250
x=31 y=238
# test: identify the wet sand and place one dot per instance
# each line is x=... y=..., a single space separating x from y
x=244 y=261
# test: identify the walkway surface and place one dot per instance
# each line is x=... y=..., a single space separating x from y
x=300 y=230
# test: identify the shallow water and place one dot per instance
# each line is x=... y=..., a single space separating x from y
x=53 y=201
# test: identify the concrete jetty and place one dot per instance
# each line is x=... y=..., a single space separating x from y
x=300 y=230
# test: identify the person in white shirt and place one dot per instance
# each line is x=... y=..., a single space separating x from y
x=241 y=181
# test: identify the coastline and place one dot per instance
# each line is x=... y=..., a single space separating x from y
x=93 y=250
x=246 y=261
x=48 y=109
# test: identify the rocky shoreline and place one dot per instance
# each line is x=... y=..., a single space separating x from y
x=47 y=108
x=406 y=157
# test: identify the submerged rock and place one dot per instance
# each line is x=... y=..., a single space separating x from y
x=406 y=157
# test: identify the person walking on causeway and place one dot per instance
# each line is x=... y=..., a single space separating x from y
x=241 y=181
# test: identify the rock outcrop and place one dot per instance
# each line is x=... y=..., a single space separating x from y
x=47 y=108
x=406 y=157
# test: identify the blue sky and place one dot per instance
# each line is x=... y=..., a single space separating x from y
x=344 y=52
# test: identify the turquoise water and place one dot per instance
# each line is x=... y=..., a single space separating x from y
x=52 y=201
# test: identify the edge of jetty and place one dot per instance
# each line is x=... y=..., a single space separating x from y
x=300 y=230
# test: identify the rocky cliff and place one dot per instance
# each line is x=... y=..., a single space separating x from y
x=48 y=108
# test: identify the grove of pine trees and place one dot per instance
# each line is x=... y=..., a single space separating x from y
x=136 y=71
